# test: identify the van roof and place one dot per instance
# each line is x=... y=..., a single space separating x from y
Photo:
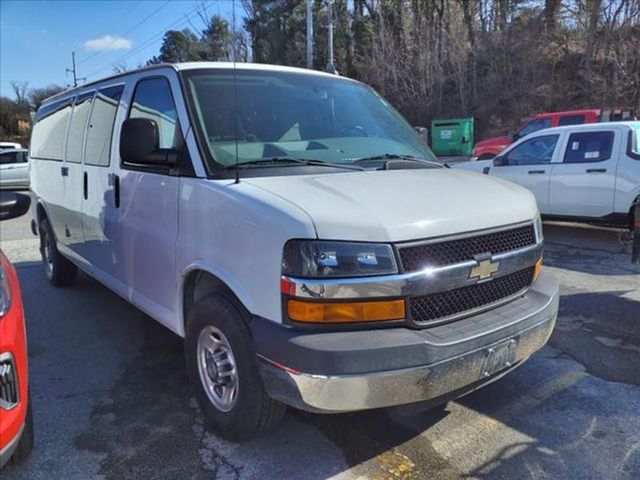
x=195 y=66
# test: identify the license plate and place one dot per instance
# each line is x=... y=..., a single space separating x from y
x=499 y=357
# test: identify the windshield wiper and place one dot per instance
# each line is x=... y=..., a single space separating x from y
x=279 y=161
x=396 y=156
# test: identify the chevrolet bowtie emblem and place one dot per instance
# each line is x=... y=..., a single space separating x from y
x=484 y=269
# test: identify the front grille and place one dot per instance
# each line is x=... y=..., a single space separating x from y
x=448 y=252
x=8 y=384
x=439 y=306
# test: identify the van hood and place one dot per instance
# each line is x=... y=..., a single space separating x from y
x=400 y=205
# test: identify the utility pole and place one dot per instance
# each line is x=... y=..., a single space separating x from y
x=74 y=71
x=330 y=65
x=310 y=33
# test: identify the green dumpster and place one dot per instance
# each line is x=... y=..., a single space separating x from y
x=452 y=136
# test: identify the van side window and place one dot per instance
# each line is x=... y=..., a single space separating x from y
x=50 y=131
x=100 y=131
x=588 y=147
x=571 y=120
x=153 y=100
x=77 y=126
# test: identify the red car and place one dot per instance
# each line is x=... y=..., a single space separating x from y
x=16 y=421
x=489 y=148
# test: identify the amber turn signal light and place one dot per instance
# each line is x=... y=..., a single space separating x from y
x=537 y=270
x=345 y=312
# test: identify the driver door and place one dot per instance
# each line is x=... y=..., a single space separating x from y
x=529 y=164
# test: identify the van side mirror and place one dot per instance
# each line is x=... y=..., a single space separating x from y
x=500 y=161
x=13 y=205
x=140 y=144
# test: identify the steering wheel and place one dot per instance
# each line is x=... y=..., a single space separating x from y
x=350 y=129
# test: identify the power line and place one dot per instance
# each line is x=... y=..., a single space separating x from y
x=149 y=40
x=106 y=32
x=130 y=30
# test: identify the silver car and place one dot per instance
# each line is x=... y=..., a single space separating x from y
x=14 y=168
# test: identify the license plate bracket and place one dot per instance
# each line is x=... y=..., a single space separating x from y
x=499 y=357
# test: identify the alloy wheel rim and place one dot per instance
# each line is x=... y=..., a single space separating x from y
x=217 y=368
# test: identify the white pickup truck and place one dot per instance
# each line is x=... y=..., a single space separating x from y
x=588 y=173
x=296 y=231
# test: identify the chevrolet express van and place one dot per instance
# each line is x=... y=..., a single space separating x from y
x=296 y=231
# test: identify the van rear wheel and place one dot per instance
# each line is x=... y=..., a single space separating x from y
x=60 y=271
x=223 y=370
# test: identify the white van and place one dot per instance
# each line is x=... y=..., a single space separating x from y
x=296 y=231
x=586 y=173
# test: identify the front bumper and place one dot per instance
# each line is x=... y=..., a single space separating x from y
x=7 y=451
x=334 y=372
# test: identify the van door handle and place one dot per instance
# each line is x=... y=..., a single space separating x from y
x=537 y=172
x=85 y=186
x=116 y=190
x=64 y=171
x=596 y=170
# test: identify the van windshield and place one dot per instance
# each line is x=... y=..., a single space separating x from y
x=295 y=115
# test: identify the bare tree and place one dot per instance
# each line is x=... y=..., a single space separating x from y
x=21 y=91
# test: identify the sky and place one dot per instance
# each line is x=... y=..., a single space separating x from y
x=38 y=37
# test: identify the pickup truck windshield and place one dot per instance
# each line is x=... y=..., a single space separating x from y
x=302 y=116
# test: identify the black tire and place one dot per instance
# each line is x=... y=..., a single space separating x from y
x=253 y=411
x=486 y=156
x=59 y=271
x=25 y=445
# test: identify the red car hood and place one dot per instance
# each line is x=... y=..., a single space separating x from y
x=495 y=143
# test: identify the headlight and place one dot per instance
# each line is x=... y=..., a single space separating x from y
x=5 y=292
x=323 y=259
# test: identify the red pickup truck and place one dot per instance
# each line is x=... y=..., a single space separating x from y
x=490 y=147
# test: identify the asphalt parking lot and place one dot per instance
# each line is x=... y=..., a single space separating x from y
x=111 y=398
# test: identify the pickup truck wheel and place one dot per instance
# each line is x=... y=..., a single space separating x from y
x=60 y=271
x=222 y=368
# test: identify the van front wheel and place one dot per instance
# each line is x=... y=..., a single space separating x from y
x=223 y=370
x=60 y=271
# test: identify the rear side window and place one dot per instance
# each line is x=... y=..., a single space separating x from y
x=50 y=131
x=101 y=123
x=586 y=147
x=571 y=120
x=153 y=100
x=77 y=126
